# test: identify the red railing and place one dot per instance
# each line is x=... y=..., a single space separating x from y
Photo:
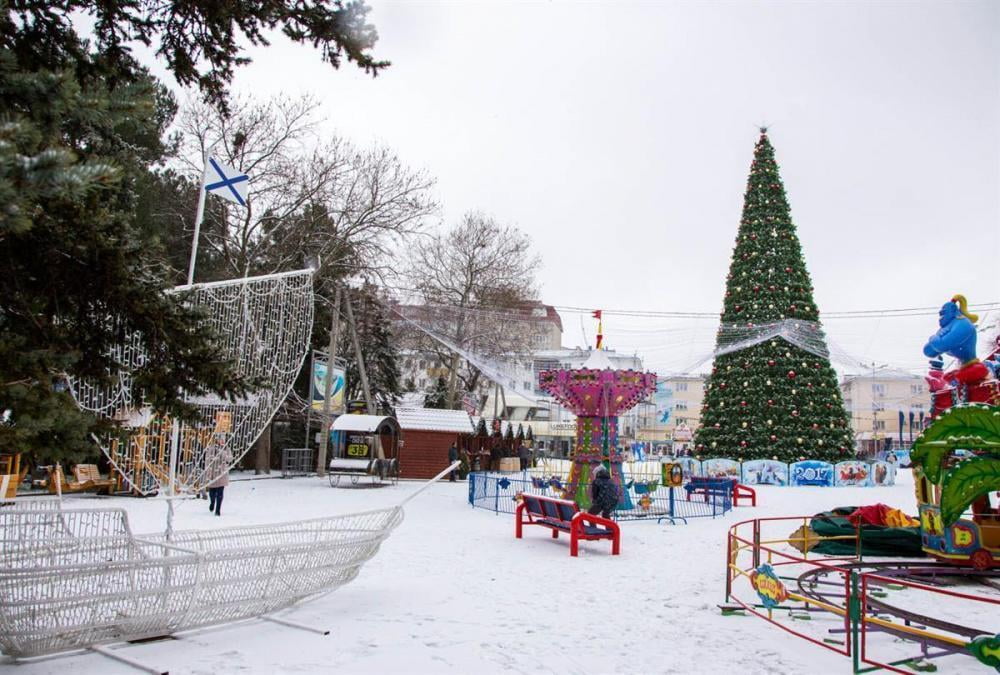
x=763 y=549
x=932 y=631
x=856 y=597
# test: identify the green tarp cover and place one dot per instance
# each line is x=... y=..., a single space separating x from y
x=903 y=542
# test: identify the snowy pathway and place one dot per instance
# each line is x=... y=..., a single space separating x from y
x=452 y=591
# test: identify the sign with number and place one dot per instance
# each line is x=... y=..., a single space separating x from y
x=357 y=446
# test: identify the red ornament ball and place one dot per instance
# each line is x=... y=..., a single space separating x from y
x=770 y=362
x=791 y=374
x=743 y=444
x=795 y=413
x=743 y=403
x=773 y=437
x=815 y=426
x=770 y=402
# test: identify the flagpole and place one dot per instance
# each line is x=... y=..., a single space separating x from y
x=201 y=211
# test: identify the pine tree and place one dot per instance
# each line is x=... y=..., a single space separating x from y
x=82 y=264
x=438 y=396
x=773 y=399
x=377 y=349
x=75 y=272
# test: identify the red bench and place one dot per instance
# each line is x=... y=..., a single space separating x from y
x=560 y=515
x=701 y=485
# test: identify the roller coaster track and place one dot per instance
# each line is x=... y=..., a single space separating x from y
x=810 y=582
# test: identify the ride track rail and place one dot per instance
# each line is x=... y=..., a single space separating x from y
x=850 y=588
x=808 y=582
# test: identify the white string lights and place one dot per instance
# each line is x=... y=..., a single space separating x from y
x=264 y=324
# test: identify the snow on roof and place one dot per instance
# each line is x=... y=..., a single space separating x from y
x=489 y=424
x=598 y=360
x=432 y=419
x=367 y=423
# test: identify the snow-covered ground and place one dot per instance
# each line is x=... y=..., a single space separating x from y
x=452 y=591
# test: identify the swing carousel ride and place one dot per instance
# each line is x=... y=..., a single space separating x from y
x=597 y=394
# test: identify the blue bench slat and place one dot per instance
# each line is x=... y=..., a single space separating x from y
x=554 y=523
x=534 y=504
x=566 y=511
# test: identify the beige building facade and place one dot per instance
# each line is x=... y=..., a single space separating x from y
x=875 y=401
x=674 y=411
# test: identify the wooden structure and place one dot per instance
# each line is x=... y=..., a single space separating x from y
x=366 y=445
x=86 y=478
x=143 y=452
x=427 y=434
x=11 y=474
x=560 y=515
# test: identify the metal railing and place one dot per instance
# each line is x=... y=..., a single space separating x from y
x=643 y=498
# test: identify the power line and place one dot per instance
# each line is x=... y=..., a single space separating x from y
x=849 y=314
x=891 y=313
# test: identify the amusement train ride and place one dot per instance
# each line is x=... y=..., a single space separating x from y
x=956 y=460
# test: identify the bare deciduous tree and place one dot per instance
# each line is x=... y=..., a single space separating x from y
x=465 y=277
x=308 y=196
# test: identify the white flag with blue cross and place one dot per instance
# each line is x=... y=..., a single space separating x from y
x=226 y=182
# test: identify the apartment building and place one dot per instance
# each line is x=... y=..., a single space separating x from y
x=875 y=402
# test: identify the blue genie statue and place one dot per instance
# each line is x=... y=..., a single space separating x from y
x=957 y=335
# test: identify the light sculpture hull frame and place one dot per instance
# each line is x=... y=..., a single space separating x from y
x=75 y=578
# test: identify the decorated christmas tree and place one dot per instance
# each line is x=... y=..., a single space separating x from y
x=772 y=392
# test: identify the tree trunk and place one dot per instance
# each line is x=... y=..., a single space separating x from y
x=262 y=448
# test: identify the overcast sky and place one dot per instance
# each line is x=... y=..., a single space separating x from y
x=620 y=135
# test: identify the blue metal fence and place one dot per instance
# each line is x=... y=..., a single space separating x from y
x=644 y=498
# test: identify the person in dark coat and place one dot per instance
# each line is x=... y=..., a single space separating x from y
x=452 y=458
x=524 y=455
x=603 y=494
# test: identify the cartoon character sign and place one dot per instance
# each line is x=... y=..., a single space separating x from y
x=721 y=468
x=689 y=465
x=883 y=473
x=765 y=472
x=673 y=474
x=768 y=586
x=853 y=473
x=811 y=472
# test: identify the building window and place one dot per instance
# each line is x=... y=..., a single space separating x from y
x=878 y=406
x=878 y=389
x=680 y=405
x=680 y=386
x=681 y=420
x=878 y=425
x=916 y=388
